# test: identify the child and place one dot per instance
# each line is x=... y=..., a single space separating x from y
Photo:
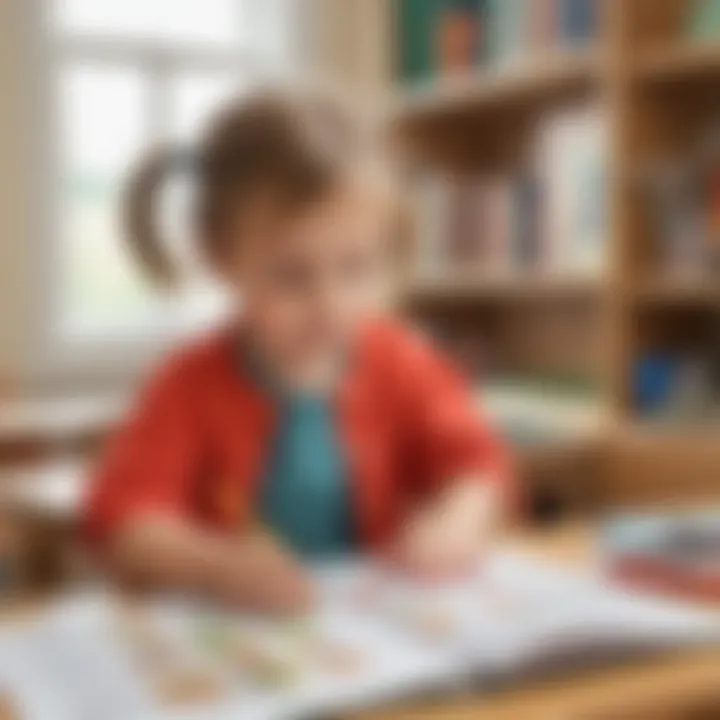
x=309 y=426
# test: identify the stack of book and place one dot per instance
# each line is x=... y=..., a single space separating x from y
x=679 y=387
x=531 y=409
x=675 y=554
x=682 y=193
x=474 y=225
x=451 y=36
x=546 y=218
x=534 y=411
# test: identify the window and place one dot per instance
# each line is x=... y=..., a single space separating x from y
x=125 y=73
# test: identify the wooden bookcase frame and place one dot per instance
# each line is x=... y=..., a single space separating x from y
x=656 y=91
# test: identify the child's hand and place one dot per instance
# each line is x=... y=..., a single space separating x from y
x=250 y=571
x=445 y=538
x=265 y=578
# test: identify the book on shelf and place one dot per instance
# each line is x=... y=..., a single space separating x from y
x=448 y=37
x=495 y=207
x=464 y=225
x=542 y=22
x=439 y=37
x=430 y=206
x=578 y=21
x=459 y=36
x=675 y=553
x=678 y=388
x=507 y=21
x=532 y=410
x=546 y=218
x=682 y=197
x=417 y=21
x=571 y=167
x=464 y=246
x=527 y=208
x=703 y=22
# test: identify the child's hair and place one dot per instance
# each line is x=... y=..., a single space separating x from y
x=292 y=147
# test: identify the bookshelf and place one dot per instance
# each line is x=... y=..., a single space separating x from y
x=668 y=65
x=555 y=74
x=669 y=292
x=520 y=287
x=656 y=86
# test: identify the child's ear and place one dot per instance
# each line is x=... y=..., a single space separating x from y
x=221 y=254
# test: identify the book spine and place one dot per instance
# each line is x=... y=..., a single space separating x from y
x=492 y=30
x=461 y=236
x=525 y=236
x=506 y=30
x=545 y=26
x=499 y=224
x=517 y=28
x=482 y=49
x=590 y=228
x=418 y=21
x=557 y=169
x=430 y=204
x=704 y=20
x=481 y=229
x=456 y=36
x=477 y=224
x=577 y=21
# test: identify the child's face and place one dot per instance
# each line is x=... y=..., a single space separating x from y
x=306 y=282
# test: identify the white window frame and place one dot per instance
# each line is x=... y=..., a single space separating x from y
x=119 y=353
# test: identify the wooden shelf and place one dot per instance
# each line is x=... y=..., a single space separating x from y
x=58 y=419
x=505 y=288
x=51 y=490
x=678 y=63
x=654 y=464
x=703 y=436
x=657 y=93
x=527 y=83
x=540 y=422
x=561 y=449
x=699 y=440
x=678 y=292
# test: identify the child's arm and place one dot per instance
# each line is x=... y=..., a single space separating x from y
x=140 y=511
x=444 y=535
x=250 y=571
x=463 y=485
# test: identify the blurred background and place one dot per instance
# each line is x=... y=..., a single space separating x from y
x=561 y=159
x=561 y=163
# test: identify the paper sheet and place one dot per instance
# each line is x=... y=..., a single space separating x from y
x=78 y=663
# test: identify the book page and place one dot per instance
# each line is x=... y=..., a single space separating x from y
x=375 y=638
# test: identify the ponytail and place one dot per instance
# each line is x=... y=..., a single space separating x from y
x=140 y=215
x=294 y=147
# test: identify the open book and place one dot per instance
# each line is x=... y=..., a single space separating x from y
x=374 y=639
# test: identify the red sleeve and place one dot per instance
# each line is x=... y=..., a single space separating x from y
x=149 y=462
x=449 y=433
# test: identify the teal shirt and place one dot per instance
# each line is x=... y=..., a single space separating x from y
x=305 y=496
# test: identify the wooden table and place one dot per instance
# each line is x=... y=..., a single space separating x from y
x=684 y=686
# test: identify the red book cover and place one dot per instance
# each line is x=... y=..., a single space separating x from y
x=667 y=577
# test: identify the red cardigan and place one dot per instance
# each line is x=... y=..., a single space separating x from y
x=197 y=440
